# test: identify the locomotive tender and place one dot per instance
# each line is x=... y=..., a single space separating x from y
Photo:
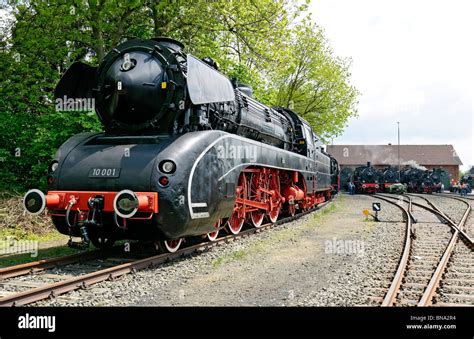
x=185 y=152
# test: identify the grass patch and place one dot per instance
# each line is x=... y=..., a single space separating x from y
x=22 y=234
x=330 y=209
x=236 y=255
x=319 y=217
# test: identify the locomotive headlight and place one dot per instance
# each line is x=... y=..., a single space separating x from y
x=34 y=201
x=126 y=204
x=54 y=165
x=167 y=166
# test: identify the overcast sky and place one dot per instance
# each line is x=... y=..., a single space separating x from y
x=413 y=61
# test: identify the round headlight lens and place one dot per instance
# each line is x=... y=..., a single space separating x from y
x=54 y=166
x=167 y=166
x=125 y=204
x=34 y=201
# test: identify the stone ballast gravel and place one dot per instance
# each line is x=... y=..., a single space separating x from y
x=287 y=265
x=458 y=278
x=368 y=277
x=453 y=208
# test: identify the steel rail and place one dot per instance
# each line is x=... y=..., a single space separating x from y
x=427 y=298
x=433 y=284
x=86 y=280
x=436 y=210
x=391 y=295
x=40 y=265
x=439 y=213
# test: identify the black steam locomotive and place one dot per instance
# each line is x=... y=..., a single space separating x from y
x=430 y=181
x=366 y=179
x=185 y=152
x=422 y=180
x=388 y=177
x=411 y=177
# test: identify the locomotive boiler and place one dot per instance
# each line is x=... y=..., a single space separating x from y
x=184 y=152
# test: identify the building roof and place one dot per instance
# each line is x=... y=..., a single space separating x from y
x=388 y=154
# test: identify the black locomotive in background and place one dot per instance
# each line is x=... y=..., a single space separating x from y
x=185 y=152
x=368 y=179
x=422 y=180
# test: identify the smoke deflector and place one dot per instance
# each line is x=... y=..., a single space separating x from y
x=206 y=85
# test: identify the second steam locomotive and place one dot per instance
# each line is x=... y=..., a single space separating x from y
x=368 y=179
x=185 y=152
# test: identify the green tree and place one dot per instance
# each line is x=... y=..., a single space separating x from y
x=256 y=41
x=315 y=83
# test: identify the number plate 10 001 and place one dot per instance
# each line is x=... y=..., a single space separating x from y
x=104 y=173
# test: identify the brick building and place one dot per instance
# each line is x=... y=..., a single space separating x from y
x=381 y=156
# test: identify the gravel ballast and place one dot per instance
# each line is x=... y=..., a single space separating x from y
x=333 y=256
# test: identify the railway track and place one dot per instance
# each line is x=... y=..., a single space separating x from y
x=19 y=278
x=431 y=239
x=457 y=283
x=45 y=264
x=53 y=284
x=465 y=234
